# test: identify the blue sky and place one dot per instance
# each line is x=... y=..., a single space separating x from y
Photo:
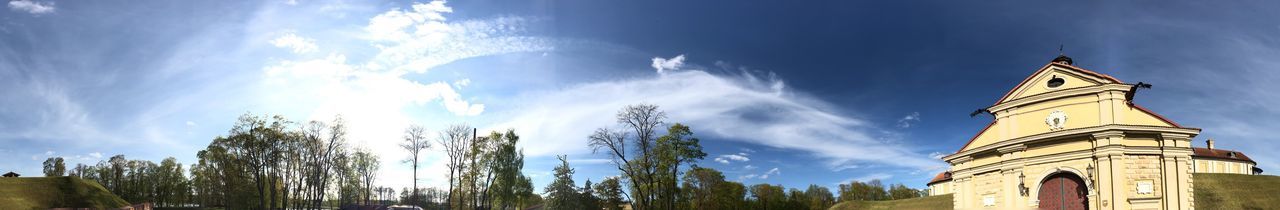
x=793 y=94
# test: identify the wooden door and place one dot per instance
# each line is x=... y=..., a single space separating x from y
x=1063 y=191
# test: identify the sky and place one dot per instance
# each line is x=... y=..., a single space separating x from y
x=821 y=92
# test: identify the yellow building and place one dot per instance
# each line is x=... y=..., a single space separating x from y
x=1070 y=138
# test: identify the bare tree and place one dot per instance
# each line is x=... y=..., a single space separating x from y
x=454 y=141
x=415 y=141
x=639 y=166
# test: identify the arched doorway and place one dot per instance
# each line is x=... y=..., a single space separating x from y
x=1063 y=191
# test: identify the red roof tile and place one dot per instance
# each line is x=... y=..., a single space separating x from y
x=1220 y=154
x=941 y=177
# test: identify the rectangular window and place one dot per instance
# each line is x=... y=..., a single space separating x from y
x=989 y=200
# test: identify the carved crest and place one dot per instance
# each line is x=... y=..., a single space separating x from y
x=1056 y=120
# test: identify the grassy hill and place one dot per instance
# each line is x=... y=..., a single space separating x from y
x=926 y=203
x=55 y=192
x=1235 y=191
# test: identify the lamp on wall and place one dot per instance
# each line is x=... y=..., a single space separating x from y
x=1091 y=172
x=1022 y=186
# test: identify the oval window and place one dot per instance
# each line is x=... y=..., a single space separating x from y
x=1056 y=82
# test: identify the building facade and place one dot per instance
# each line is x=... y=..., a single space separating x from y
x=1070 y=138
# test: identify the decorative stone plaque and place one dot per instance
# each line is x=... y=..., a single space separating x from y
x=1146 y=187
x=1056 y=120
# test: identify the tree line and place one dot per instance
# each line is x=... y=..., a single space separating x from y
x=649 y=177
x=270 y=162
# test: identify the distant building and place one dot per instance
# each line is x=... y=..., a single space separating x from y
x=11 y=174
x=1070 y=138
x=1212 y=160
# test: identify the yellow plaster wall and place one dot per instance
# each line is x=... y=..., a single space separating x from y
x=1141 y=140
x=1058 y=147
x=980 y=161
x=1039 y=84
x=1142 y=168
x=1134 y=116
x=986 y=137
x=987 y=184
x=1221 y=166
x=1081 y=111
x=940 y=188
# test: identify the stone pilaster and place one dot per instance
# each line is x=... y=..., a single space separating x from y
x=1108 y=154
x=1175 y=158
x=1011 y=167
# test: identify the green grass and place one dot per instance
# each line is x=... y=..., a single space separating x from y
x=926 y=203
x=55 y=192
x=1236 y=191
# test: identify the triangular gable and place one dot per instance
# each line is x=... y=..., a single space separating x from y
x=1074 y=77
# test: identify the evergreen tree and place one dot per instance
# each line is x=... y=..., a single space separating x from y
x=562 y=193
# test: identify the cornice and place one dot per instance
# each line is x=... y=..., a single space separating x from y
x=1108 y=134
x=1086 y=90
x=1189 y=132
x=1012 y=148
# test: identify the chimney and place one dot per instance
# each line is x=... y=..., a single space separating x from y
x=1209 y=143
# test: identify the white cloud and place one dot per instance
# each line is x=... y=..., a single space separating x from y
x=663 y=64
x=461 y=83
x=749 y=167
x=31 y=6
x=191 y=123
x=937 y=155
x=742 y=108
x=907 y=121
x=773 y=171
x=48 y=153
x=96 y=155
x=297 y=44
x=377 y=94
x=416 y=40
x=737 y=157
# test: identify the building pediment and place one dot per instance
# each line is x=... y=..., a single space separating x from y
x=1060 y=96
x=1056 y=76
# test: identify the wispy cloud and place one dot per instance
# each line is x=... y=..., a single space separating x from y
x=908 y=120
x=745 y=107
x=417 y=39
x=773 y=171
x=32 y=6
x=298 y=44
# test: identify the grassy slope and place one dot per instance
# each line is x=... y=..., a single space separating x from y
x=926 y=203
x=1235 y=191
x=52 y=192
